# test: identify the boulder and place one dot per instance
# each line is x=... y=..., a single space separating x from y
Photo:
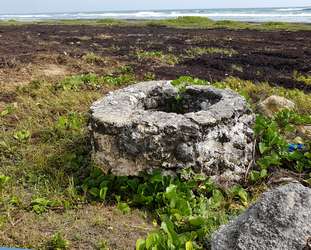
x=274 y=104
x=151 y=125
x=279 y=220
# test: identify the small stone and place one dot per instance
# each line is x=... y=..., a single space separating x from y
x=304 y=131
x=274 y=104
x=279 y=220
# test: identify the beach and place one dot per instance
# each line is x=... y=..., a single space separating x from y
x=51 y=71
x=279 y=14
x=261 y=56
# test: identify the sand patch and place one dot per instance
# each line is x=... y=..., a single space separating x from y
x=84 y=228
x=53 y=70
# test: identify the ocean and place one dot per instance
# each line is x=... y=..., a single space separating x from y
x=297 y=14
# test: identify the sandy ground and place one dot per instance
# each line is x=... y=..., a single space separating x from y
x=30 y=51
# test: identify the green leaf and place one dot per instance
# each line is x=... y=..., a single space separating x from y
x=269 y=160
x=263 y=173
x=258 y=175
x=140 y=244
x=196 y=221
x=40 y=205
x=3 y=180
x=217 y=198
x=262 y=147
x=171 y=192
x=240 y=192
x=254 y=175
x=308 y=155
x=103 y=193
x=183 y=206
x=243 y=195
x=58 y=242
x=41 y=201
x=152 y=240
x=8 y=110
x=22 y=135
x=156 y=177
x=94 y=191
x=189 y=245
x=168 y=228
x=123 y=207
x=260 y=125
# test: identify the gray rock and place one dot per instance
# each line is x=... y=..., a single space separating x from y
x=274 y=104
x=280 y=220
x=145 y=127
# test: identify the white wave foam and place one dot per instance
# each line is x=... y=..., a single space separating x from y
x=26 y=16
x=291 y=9
x=124 y=14
x=256 y=15
x=245 y=15
x=179 y=14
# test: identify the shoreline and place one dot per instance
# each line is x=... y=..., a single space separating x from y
x=273 y=14
x=179 y=22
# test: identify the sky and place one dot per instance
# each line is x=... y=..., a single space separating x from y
x=39 y=6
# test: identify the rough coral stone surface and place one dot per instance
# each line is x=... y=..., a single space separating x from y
x=280 y=220
x=150 y=125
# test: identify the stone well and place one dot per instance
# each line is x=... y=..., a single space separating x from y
x=150 y=126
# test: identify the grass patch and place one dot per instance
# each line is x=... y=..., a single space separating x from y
x=110 y=21
x=92 y=58
x=306 y=79
x=186 y=22
x=204 y=22
x=44 y=144
x=156 y=56
x=182 y=82
x=284 y=26
x=46 y=165
x=259 y=91
x=104 y=21
x=149 y=76
x=179 y=22
x=57 y=242
x=232 y=24
x=198 y=51
x=9 y=22
x=93 y=81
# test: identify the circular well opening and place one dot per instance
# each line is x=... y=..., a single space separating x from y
x=192 y=100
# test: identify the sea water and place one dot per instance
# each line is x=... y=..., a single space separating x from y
x=297 y=14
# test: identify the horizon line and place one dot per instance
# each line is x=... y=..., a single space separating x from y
x=141 y=10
